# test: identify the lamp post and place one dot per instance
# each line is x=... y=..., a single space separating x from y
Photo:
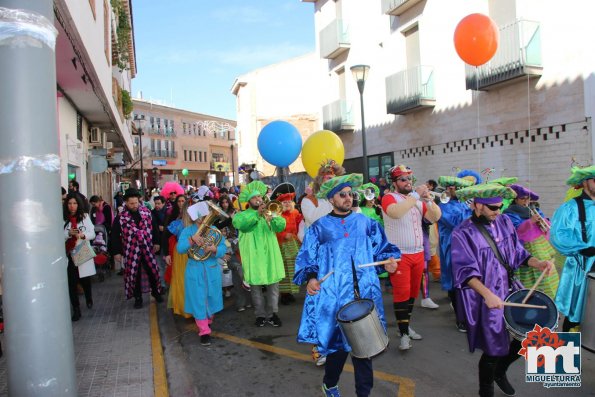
x=360 y=74
x=233 y=169
x=139 y=121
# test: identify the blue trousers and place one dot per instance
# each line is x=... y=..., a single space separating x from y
x=364 y=375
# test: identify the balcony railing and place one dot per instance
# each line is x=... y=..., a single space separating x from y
x=518 y=55
x=164 y=153
x=334 y=39
x=338 y=116
x=397 y=7
x=409 y=90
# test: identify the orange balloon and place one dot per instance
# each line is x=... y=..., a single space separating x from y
x=476 y=39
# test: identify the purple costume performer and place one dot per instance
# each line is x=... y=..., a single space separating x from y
x=483 y=282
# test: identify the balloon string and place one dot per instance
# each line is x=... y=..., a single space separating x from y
x=476 y=95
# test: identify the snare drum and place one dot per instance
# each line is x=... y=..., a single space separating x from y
x=520 y=320
x=361 y=327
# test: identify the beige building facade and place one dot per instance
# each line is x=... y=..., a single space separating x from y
x=175 y=140
x=526 y=113
x=283 y=91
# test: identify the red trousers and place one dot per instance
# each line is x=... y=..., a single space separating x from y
x=407 y=279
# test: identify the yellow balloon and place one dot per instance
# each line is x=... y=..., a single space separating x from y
x=320 y=147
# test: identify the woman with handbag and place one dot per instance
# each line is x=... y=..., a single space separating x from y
x=78 y=231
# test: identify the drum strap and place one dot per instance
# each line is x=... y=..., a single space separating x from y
x=494 y=248
x=355 y=283
x=582 y=216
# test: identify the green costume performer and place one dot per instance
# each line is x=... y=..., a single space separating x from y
x=261 y=257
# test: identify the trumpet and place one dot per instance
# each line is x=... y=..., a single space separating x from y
x=273 y=207
x=444 y=197
x=541 y=222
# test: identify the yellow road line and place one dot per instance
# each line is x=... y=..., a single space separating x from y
x=406 y=385
x=159 y=376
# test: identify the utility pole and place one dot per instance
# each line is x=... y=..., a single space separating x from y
x=39 y=345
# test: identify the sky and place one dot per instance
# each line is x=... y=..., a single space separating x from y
x=189 y=52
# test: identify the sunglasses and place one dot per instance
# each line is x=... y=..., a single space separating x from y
x=494 y=207
x=346 y=194
x=404 y=179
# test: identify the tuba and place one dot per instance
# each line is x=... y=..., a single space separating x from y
x=212 y=236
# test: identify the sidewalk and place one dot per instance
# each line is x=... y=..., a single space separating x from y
x=112 y=345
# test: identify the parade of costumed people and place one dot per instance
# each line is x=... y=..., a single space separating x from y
x=533 y=230
x=288 y=240
x=572 y=235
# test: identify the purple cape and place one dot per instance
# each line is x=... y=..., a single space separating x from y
x=473 y=257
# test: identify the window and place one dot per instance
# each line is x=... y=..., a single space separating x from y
x=185 y=155
x=172 y=146
x=194 y=128
x=206 y=159
x=79 y=127
x=166 y=146
x=184 y=128
x=218 y=157
x=195 y=158
x=412 y=47
x=152 y=144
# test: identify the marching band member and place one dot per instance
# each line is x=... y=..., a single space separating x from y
x=331 y=244
x=533 y=231
x=403 y=215
x=483 y=282
x=578 y=244
x=261 y=257
x=453 y=213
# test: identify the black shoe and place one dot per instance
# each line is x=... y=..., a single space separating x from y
x=158 y=298
x=260 y=321
x=90 y=304
x=138 y=303
x=461 y=327
x=205 y=340
x=275 y=321
x=76 y=314
x=505 y=385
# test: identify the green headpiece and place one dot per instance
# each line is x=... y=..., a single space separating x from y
x=459 y=183
x=580 y=174
x=372 y=187
x=332 y=186
x=484 y=191
x=504 y=181
x=254 y=188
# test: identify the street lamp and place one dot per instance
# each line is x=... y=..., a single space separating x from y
x=233 y=168
x=139 y=121
x=360 y=74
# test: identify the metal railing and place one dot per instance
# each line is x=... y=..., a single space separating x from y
x=338 y=116
x=334 y=39
x=518 y=54
x=409 y=89
x=164 y=153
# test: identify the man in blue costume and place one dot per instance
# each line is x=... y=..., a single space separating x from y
x=453 y=213
x=484 y=282
x=567 y=237
x=331 y=244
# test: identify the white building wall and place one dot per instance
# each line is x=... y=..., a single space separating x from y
x=563 y=95
x=280 y=91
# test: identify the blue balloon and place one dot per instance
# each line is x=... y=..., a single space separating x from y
x=279 y=143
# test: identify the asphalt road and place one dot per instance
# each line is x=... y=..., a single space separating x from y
x=244 y=360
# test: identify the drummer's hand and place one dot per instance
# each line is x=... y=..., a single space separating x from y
x=546 y=265
x=391 y=267
x=313 y=287
x=494 y=302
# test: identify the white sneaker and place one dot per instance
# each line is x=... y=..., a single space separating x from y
x=321 y=361
x=405 y=343
x=428 y=303
x=414 y=335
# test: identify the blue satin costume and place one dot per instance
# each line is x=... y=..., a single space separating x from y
x=330 y=244
x=453 y=214
x=566 y=237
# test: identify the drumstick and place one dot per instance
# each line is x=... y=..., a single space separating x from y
x=326 y=276
x=525 y=305
x=384 y=262
x=534 y=286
